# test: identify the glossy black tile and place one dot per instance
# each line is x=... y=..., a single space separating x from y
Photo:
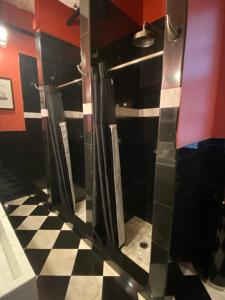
x=40 y=211
x=113 y=289
x=162 y=225
x=37 y=258
x=87 y=263
x=16 y=220
x=25 y=236
x=165 y=184
x=52 y=223
x=67 y=240
x=52 y=287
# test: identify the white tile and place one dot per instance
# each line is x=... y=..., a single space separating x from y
x=85 y=288
x=137 y=231
x=60 y=262
x=18 y=201
x=52 y=214
x=23 y=210
x=140 y=297
x=67 y=226
x=85 y=244
x=43 y=239
x=109 y=271
x=214 y=293
x=32 y=223
x=80 y=210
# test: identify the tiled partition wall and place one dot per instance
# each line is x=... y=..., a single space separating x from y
x=163 y=208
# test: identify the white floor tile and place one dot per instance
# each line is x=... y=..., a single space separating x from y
x=43 y=239
x=214 y=293
x=85 y=244
x=80 y=210
x=67 y=226
x=108 y=270
x=18 y=201
x=85 y=288
x=32 y=223
x=23 y=210
x=60 y=262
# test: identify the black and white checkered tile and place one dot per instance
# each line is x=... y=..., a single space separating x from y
x=66 y=265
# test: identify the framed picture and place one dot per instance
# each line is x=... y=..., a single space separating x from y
x=6 y=94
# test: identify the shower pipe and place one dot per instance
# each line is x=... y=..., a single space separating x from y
x=121 y=66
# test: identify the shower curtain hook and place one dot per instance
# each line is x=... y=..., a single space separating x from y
x=80 y=70
x=35 y=85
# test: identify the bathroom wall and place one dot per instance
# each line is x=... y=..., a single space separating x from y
x=13 y=120
x=201 y=71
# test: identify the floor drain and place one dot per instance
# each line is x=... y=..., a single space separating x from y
x=143 y=245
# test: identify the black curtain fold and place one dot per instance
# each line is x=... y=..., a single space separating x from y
x=56 y=119
x=105 y=210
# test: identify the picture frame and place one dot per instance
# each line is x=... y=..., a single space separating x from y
x=6 y=94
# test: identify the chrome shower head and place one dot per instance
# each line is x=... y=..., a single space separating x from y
x=143 y=38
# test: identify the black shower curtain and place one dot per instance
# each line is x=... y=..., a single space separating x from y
x=60 y=147
x=108 y=206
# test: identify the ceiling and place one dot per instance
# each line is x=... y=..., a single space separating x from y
x=24 y=4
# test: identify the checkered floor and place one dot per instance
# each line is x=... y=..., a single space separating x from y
x=64 y=263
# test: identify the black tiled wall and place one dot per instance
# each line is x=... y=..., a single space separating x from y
x=200 y=185
x=137 y=87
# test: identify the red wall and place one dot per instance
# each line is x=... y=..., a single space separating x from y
x=142 y=10
x=201 y=70
x=153 y=10
x=219 y=117
x=15 y=16
x=51 y=17
x=13 y=120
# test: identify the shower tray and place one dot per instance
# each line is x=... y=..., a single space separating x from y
x=17 y=278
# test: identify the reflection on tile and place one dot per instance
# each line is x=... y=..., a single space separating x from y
x=59 y=262
x=108 y=270
x=85 y=288
x=32 y=223
x=138 y=231
x=23 y=210
x=43 y=239
x=214 y=293
x=80 y=210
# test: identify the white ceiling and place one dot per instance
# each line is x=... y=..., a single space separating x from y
x=23 y=4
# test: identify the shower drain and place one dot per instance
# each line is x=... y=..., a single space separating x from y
x=143 y=245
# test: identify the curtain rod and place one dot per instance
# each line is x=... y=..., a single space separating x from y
x=121 y=66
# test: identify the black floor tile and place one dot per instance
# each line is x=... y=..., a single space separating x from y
x=33 y=200
x=114 y=289
x=40 y=211
x=16 y=220
x=88 y=263
x=37 y=258
x=52 y=223
x=25 y=236
x=10 y=208
x=67 y=240
x=53 y=287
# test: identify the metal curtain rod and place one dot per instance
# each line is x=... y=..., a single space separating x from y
x=121 y=66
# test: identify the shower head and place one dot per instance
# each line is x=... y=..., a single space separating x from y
x=143 y=38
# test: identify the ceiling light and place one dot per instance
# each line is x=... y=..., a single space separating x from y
x=3 y=36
